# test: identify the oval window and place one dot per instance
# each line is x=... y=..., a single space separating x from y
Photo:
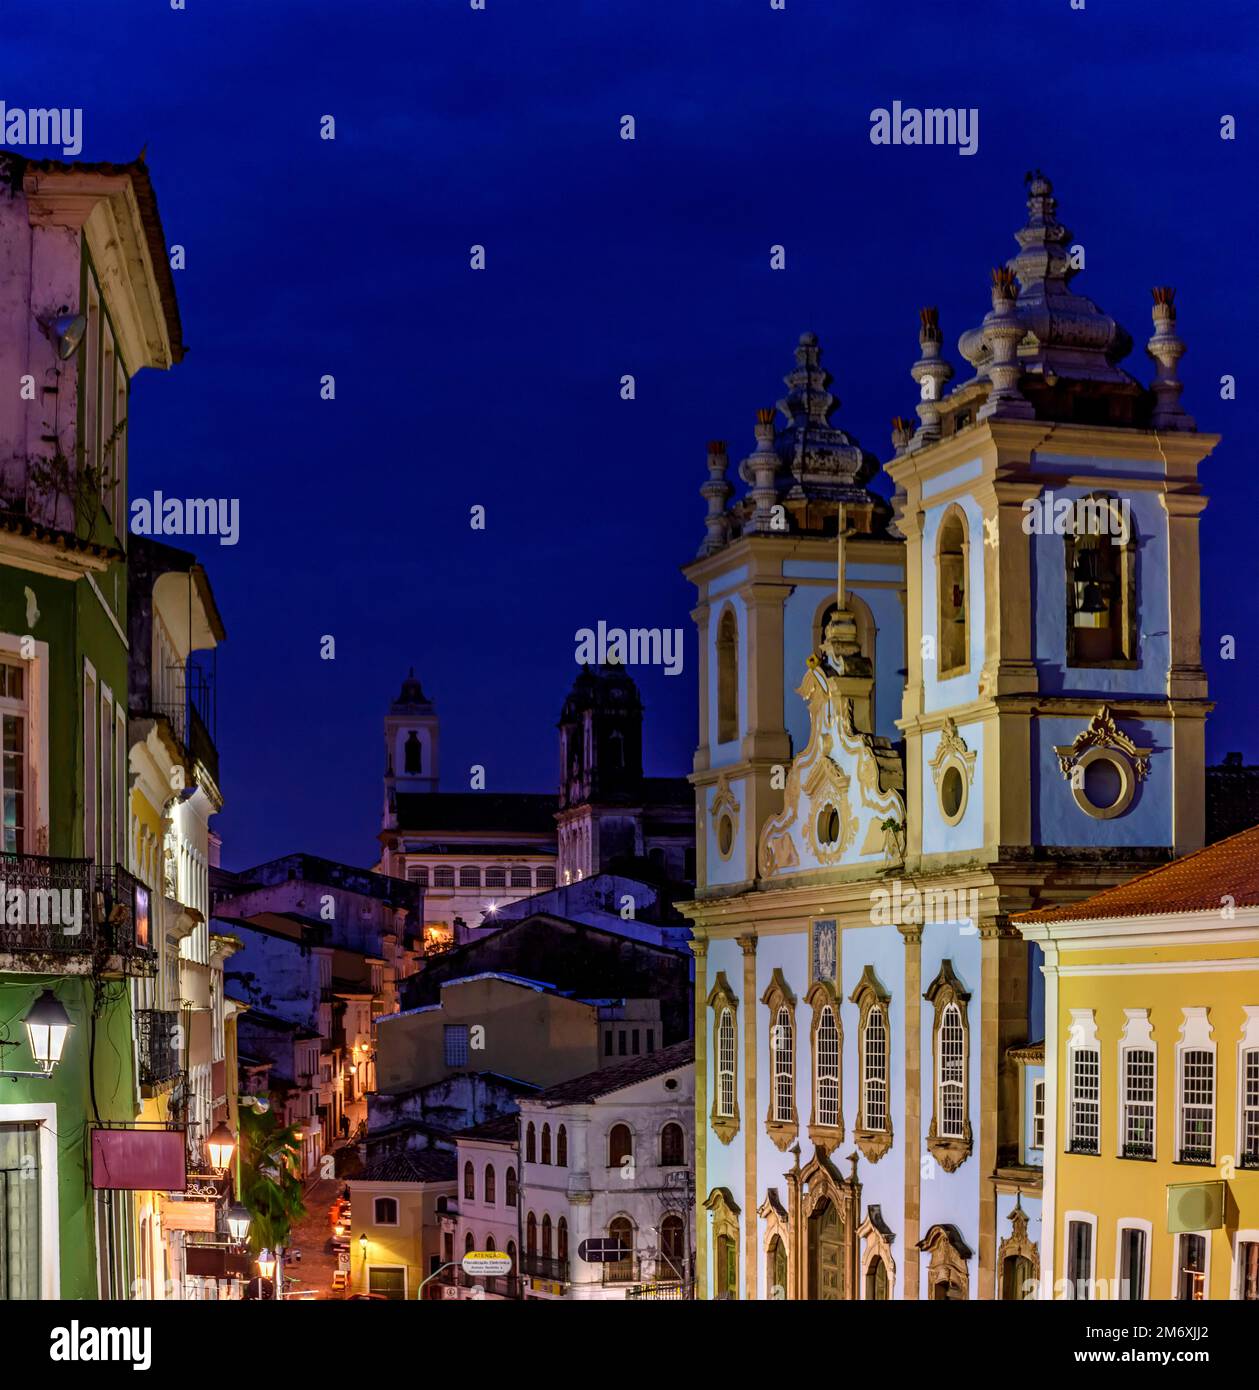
x=952 y=793
x=1103 y=784
x=725 y=835
x=828 y=826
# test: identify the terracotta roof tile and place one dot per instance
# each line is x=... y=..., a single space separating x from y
x=618 y=1076
x=1197 y=883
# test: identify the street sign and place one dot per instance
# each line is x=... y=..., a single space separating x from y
x=604 y=1251
x=478 y=1262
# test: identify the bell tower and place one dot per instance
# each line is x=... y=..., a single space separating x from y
x=411 y=745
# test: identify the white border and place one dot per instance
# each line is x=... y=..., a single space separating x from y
x=45 y=1115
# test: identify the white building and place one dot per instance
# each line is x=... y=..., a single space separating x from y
x=608 y=1157
x=485 y=1211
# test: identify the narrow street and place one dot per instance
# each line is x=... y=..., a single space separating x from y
x=311 y=1234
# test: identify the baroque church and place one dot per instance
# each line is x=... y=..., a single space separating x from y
x=476 y=852
x=916 y=720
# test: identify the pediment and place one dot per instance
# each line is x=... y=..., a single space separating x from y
x=842 y=793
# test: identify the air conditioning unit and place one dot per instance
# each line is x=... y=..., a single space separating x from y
x=450 y=1291
x=1195 y=1206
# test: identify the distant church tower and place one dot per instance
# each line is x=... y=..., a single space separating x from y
x=411 y=745
x=601 y=772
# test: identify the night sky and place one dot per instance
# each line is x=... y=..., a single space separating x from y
x=502 y=388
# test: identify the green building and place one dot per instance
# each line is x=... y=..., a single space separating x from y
x=86 y=301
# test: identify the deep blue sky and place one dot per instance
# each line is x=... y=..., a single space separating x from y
x=501 y=388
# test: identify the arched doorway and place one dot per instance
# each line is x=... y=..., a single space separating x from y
x=876 y=1280
x=826 y=1253
x=1017 y=1277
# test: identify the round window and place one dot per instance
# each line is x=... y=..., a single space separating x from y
x=828 y=826
x=952 y=793
x=725 y=836
x=1102 y=783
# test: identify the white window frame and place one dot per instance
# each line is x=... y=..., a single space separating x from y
x=1249 y=1043
x=783 y=1075
x=945 y=1087
x=1038 y=1099
x=34 y=715
x=835 y=1077
x=1088 y=1219
x=1082 y=1037
x=878 y=1083
x=1196 y=1035
x=45 y=1116
x=722 y=1112
x=1137 y=1036
x=1206 y=1264
x=1249 y=1236
x=1134 y=1223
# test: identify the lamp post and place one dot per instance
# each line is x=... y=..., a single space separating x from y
x=221 y=1145
x=362 y=1248
x=47 y=1025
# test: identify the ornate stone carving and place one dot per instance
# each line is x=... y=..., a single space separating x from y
x=720 y=998
x=869 y=996
x=1103 y=741
x=949 y=1150
x=1018 y=1243
x=782 y=1129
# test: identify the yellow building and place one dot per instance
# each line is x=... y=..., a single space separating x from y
x=1151 y=1120
x=396 y=1240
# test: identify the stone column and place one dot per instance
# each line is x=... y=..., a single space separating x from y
x=912 y=936
x=751 y=1116
x=699 y=948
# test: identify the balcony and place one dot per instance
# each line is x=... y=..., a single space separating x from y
x=159 y=1056
x=662 y=1290
x=545 y=1267
x=73 y=909
x=52 y=507
x=1197 y=1155
x=1139 y=1150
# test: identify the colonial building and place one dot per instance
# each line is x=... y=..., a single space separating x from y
x=477 y=852
x=1150 y=1124
x=395 y=1206
x=606 y=1157
x=485 y=1213
x=992 y=710
x=86 y=301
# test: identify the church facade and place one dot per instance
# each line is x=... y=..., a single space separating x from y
x=914 y=722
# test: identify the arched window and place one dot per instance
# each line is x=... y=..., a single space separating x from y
x=561 y=1238
x=1100 y=551
x=489 y=1243
x=776 y=1268
x=952 y=596
x=874 y=1050
x=672 y=1146
x=531 y=1143
x=491 y=1185
x=511 y=1250
x=727 y=678
x=561 y=1147
x=949 y=1136
x=827 y=1069
x=444 y=876
x=511 y=1187
x=469 y=1182
x=620 y=1146
x=546 y=1237
x=672 y=1247
x=876 y=1280
x=622 y=1229
x=784 y=1081
x=725 y=1063
x=470 y=876
x=469 y=1242
x=412 y=754
x=546 y=1143
x=386 y=1211
x=531 y=1234
x=952 y=1073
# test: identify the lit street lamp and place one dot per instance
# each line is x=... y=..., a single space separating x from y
x=47 y=1024
x=221 y=1146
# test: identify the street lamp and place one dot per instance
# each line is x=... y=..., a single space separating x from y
x=362 y=1244
x=266 y=1264
x=238 y=1222
x=221 y=1146
x=47 y=1024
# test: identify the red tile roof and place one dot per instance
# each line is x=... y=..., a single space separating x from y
x=618 y=1076
x=1199 y=882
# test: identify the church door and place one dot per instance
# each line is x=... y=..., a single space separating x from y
x=826 y=1254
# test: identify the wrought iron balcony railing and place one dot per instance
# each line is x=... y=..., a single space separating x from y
x=159 y=1055
x=73 y=907
x=1136 y=1149
x=545 y=1267
x=1196 y=1154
